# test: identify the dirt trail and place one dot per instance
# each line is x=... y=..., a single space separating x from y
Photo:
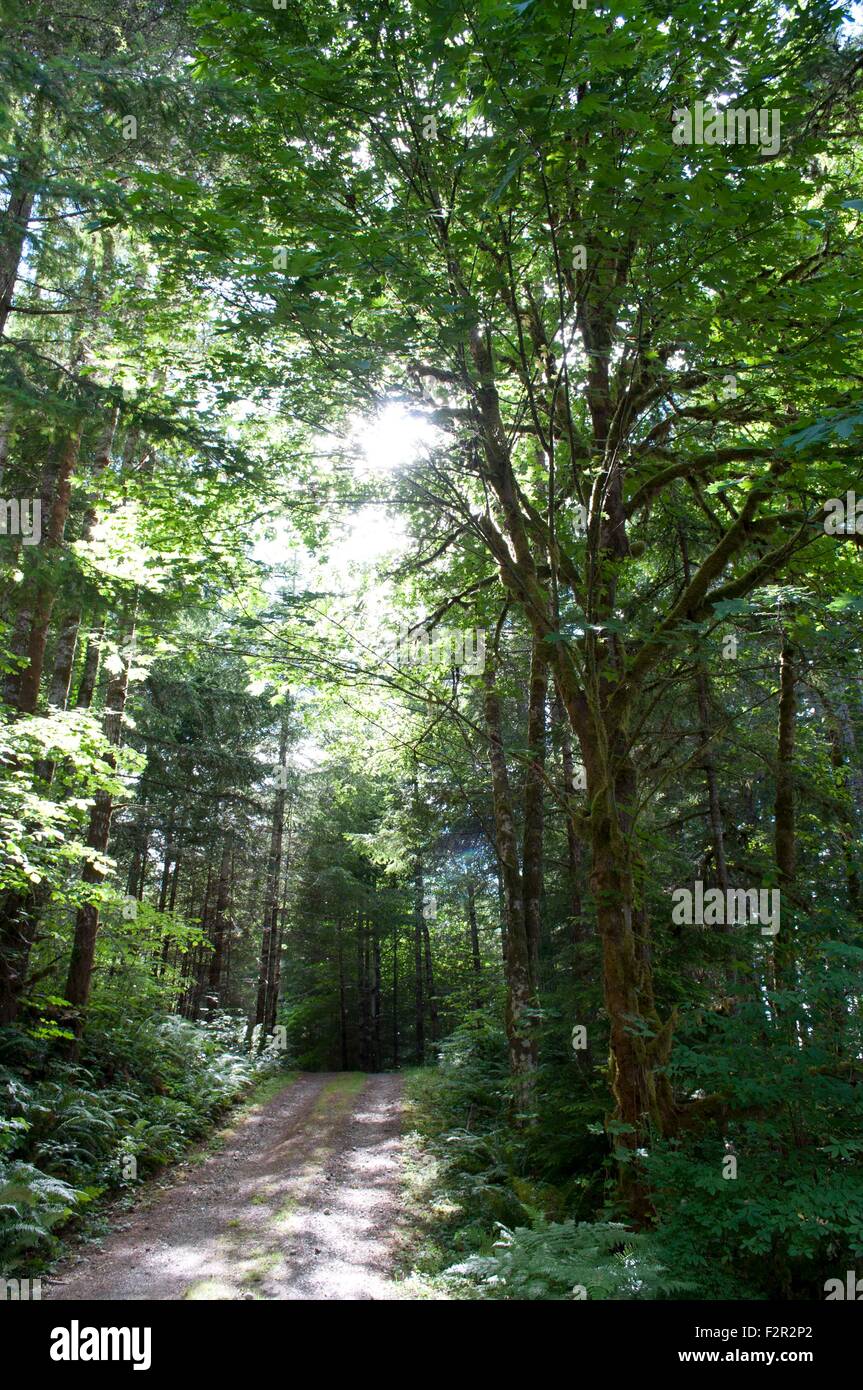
x=300 y=1202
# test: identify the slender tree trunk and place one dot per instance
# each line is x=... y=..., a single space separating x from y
x=708 y=763
x=6 y=427
x=64 y=659
x=717 y=824
x=849 y=786
x=534 y=800
x=476 y=958
x=23 y=598
x=419 y=1003
x=275 y=971
x=90 y=671
x=501 y=910
x=220 y=920
x=376 y=999
x=784 y=838
x=64 y=656
x=271 y=901
x=16 y=217
x=166 y=863
x=785 y=845
x=343 y=1008
x=395 y=996
x=192 y=974
x=168 y=885
x=434 y=1028
x=174 y=881
x=61 y=492
x=134 y=874
x=80 y=974
x=43 y=603
x=364 y=992
x=573 y=843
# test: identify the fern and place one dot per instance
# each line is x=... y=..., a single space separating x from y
x=32 y=1203
x=599 y=1260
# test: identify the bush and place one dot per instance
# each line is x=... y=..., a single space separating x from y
x=144 y=1091
x=596 y=1260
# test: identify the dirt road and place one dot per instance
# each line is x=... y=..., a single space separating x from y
x=299 y=1202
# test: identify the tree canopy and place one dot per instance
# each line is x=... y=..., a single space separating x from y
x=429 y=446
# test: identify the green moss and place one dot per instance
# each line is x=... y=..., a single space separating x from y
x=209 y=1290
x=261 y=1264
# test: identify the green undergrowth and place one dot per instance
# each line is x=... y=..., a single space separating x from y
x=759 y=1194
x=76 y=1135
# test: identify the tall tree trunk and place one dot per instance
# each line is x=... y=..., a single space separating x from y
x=134 y=874
x=520 y=993
x=784 y=838
x=501 y=910
x=641 y=1090
x=64 y=659
x=708 y=763
x=79 y=979
x=168 y=885
x=849 y=785
x=23 y=598
x=220 y=921
x=167 y=862
x=573 y=842
x=343 y=1008
x=419 y=1003
x=6 y=426
x=376 y=999
x=395 y=996
x=434 y=1028
x=364 y=991
x=831 y=1026
x=64 y=656
x=57 y=501
x=275 y=972
x=193 y=974
x=271 y=899
x=717 y=824
x=476 y=958
x=90 y=671
x=43 y=602
x=172 y=901
x=16 y=217
x=534 y=800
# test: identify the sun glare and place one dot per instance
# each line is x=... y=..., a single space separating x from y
x=394 y=438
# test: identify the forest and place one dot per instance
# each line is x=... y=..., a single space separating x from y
x=431 y=700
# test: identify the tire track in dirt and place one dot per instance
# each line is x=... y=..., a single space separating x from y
x=300 y=1203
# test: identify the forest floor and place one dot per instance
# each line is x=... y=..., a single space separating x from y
x=299 y=1199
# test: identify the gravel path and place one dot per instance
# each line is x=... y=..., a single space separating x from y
x=300 y=1202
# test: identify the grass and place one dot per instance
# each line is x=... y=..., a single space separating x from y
x=423 y=1245
x=343 y=1087
x=286 y=1215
